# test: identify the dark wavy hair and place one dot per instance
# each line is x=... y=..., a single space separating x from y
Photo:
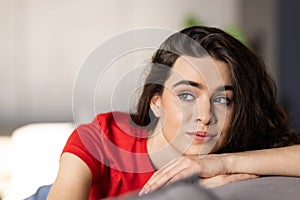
x=258 y=121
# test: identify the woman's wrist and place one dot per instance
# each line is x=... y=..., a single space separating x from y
x=229 y=161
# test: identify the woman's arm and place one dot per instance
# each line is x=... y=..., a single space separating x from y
x=246 y=165
x=278 y=161
x=219 y=169
x=73 y=181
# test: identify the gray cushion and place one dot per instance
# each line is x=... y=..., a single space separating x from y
x=186 y=189
x=265 y=188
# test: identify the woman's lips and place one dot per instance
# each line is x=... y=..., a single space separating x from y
x=201 y=136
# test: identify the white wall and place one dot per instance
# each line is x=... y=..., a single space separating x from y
x=44 y=42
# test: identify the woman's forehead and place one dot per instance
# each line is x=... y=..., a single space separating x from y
x=205 y=71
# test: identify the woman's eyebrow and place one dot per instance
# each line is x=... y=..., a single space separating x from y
x=199 y=86
x=189 y=83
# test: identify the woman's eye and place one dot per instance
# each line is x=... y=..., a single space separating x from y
x=222 y=100
x=186 y=96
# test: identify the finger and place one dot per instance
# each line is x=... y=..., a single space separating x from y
x=240 y=177
x=187 y=172
x=164 y=175
x=147 y=187
x=225 y=179
x=161 y=171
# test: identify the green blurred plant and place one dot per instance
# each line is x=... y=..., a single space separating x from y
x=236 y=32
x=192 y=21
x=233 y=30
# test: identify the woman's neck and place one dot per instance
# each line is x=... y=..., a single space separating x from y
x=159 y=149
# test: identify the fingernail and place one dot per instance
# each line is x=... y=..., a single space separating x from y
x=144 y=191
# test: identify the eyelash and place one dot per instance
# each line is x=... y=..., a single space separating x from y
x=184 y=97
x=217 y=100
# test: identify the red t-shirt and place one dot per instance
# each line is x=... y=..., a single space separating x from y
x=116 y=153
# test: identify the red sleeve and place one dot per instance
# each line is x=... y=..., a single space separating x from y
x=84 y=143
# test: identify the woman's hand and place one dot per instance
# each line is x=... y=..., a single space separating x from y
x=184 y=166
x=232 y=167
x=225 y=179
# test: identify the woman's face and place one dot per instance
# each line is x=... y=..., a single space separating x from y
x=196 y=105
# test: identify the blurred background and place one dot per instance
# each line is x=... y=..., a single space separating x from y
x=44 y=43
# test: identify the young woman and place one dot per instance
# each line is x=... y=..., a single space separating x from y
x=205 y=93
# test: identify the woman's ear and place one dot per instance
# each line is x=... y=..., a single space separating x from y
x=155 y=105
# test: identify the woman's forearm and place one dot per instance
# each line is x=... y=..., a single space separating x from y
x=277 y=161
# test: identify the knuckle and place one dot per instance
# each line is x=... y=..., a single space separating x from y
x=187 y=161
x=182 y=159
x=153 y=185
x=167 y=175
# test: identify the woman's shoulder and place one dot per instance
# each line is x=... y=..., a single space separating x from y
x=111 y=120
x=112 y=116
x=120 y=123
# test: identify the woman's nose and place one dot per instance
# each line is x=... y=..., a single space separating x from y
x=204 y=111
